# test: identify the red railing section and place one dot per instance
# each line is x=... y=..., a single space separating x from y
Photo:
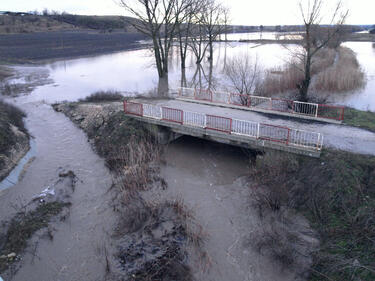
x=281 y=105
x=268 y=132
x=331 y=112
x=274 y=133
x=219 y=123
x=133 y=108
x=173 y=115
x=203 y=95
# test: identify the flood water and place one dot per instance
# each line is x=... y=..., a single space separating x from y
x=134 y=71
x=205 y=175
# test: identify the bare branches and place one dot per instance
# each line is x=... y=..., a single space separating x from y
x=316 y=37
x=243 y=74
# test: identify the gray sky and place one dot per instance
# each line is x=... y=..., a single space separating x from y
x=247 y=12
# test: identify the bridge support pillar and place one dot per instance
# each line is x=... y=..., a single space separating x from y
x=165 y=135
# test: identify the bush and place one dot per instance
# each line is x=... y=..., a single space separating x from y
x=103 y=96
x=337 y=194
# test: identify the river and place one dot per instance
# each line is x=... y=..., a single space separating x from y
x=208 y=179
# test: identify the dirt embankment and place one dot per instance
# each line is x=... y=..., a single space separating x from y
x=155 y=235
x=14 y=138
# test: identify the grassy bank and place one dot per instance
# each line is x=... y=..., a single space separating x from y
x=360 y=118
x=337 y=195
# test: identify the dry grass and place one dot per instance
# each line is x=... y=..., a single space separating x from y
x=332 y=71
x=336 y=193
x=280 y=80
x=345 y=75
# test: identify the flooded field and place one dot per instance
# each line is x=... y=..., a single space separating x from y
x=134 y=71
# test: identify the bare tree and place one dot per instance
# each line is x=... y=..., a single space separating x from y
x=158 y=19
x=208 y=26
x=185 y=27
x=244 y=75
x=311 y=12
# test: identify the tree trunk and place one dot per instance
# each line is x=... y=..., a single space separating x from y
x=163 y=86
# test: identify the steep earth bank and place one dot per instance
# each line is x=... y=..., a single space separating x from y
x=14 y=138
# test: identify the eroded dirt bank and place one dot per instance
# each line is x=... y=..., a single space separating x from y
x=14 y=138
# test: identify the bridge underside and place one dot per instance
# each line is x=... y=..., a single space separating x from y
x=168 y=131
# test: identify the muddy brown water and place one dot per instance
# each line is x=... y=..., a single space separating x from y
x=206 y=175
x=73 y=253
x=211 y=179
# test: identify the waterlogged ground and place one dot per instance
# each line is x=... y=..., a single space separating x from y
x=134 y=71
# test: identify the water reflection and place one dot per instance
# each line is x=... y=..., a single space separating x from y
x=363 y=99
x=134 y=71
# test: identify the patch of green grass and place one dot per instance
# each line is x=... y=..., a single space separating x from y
x=359 y=118
x=24 y=225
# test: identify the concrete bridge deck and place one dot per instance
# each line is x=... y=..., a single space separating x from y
x=335 y=136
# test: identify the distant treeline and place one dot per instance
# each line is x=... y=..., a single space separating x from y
x=287 y=28
x=121 y=22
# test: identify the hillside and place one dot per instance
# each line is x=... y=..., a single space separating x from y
x=27 y=23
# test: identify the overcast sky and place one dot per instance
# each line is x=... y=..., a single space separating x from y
x=247 y=12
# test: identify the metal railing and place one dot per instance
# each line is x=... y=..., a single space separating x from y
x=271 y=104
x=279 y=134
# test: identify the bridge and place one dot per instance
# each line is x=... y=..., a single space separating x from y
x=234 y=126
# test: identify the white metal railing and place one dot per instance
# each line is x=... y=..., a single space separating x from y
x=195 y=119
x=271 y=104
x=245 y=128
x=261 y=102
x=280 y=134
x=153 y=111
x=305 y=108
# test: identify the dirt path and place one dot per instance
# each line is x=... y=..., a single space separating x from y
x=74 y=252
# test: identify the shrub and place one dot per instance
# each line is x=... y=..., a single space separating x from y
x=337 y=194
x=103 y=96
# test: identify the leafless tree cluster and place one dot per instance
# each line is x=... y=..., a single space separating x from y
x=243 y=74
x=315 y=36
x=194 y=24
